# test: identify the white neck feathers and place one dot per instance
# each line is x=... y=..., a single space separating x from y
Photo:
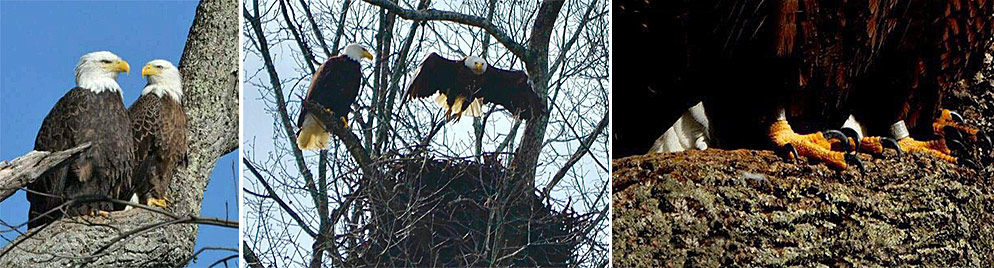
x=173 y=91
x=97 y=82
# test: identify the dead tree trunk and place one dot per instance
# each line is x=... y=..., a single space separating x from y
x=209 y=66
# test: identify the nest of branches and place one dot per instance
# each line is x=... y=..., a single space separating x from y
x=452 y=212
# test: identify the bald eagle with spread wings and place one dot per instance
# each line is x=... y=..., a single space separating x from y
x=92 y=112
x=335 y=86
x=159 y=126
x=464 y=85
x=820 y=64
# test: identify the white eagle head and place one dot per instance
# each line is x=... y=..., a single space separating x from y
x=97 y=71
x=356 y=52
x=163 y=79
x=476 y=64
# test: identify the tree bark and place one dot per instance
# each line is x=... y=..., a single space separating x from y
x=209 y=66
x=750 y=208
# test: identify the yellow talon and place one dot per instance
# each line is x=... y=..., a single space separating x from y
x=156 y=202
x=935 y=148
x=946 y=120
x=100 y=213
x=814 y=145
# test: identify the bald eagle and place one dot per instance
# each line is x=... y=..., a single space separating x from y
x=462 y=85
x=335 y=86
x=159 y=126
x=757 y=64
x=92 y=112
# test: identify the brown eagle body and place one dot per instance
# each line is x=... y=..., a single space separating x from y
x=335 y=86
x=819 y=60
x=105 y=168
x=159 y=127
x=459 y=88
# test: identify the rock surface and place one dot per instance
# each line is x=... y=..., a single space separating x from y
x=713 y=208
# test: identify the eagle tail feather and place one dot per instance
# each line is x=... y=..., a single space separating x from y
x=442 y=100
x=475 y=108
x=312 y=135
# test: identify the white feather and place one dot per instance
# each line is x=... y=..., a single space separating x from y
x=690 y=131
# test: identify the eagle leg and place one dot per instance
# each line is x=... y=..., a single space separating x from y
x=345 y=121
x=817 y=146
x=100 y=213
x=156 y=202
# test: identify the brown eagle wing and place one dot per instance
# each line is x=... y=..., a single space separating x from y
x=105 y=168
x=512 y=90
x=435 y=74
x=159 y=127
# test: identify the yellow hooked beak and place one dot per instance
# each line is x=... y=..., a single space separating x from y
x=365 y=54
x=120 y=66
x=479 y=67
x=150 y=70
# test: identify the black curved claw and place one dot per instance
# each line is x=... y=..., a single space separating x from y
x=963 y=161
x=891 y=143
x=952 y=133
x=958 y=118
x=852 y=133
x=837 y=135
x=789 y=153
x=853 y=160
x=984 y=139
x=956 y=146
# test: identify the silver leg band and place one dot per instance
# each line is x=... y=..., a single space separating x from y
x=899 y=130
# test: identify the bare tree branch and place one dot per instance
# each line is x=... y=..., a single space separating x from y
x=433 y=14
x=25 y=169
x=272 y=194
x=314 y=25
x=579 y=153
x=251 y=259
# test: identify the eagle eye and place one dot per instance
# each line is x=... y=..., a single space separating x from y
x=105 y=61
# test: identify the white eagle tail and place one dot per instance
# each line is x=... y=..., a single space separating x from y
x=312 y=135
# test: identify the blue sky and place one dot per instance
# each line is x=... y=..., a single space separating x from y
x=40 y=44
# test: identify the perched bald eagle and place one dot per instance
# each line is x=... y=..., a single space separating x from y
x=757 y=64
x=92 y=112
x=463 y=84
x=335 y=86
x=159 y=126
